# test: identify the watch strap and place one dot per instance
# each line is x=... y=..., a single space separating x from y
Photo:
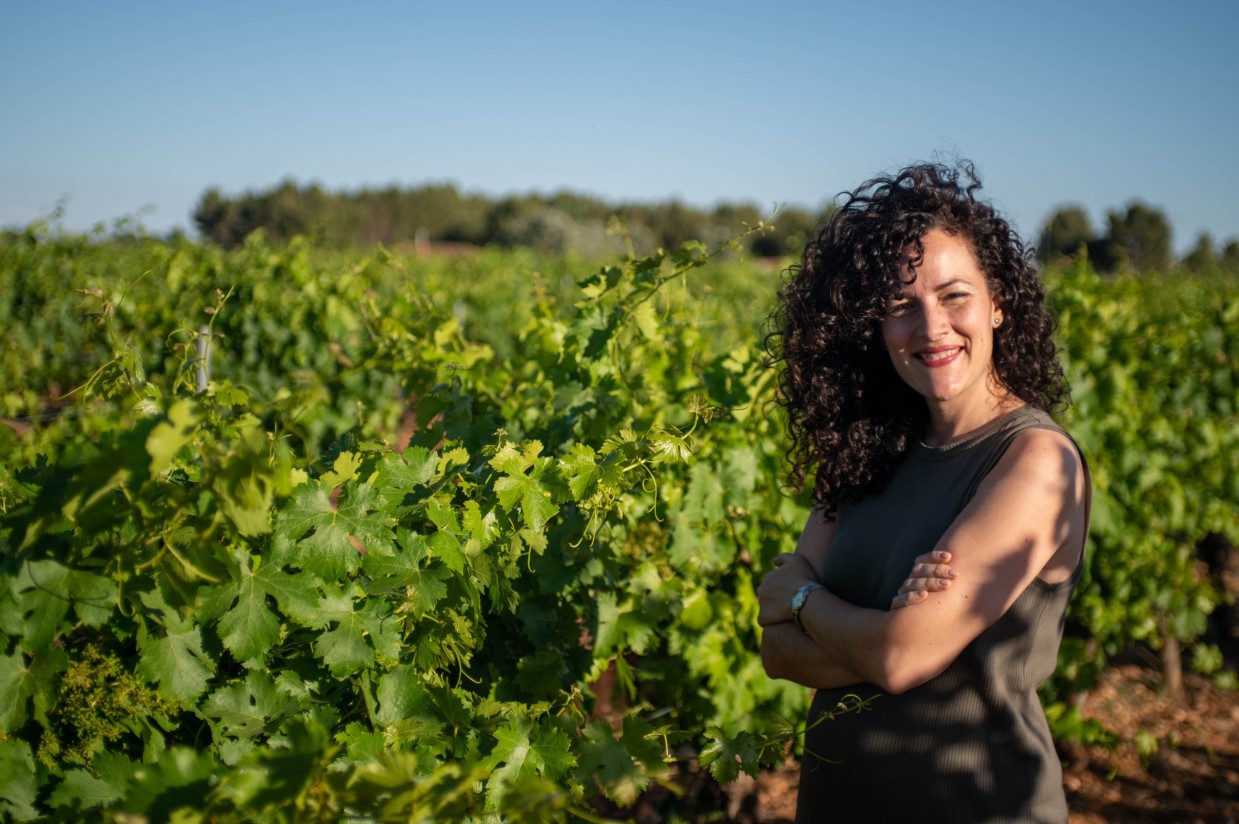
x=798 y=601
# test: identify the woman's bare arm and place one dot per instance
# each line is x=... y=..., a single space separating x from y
x=1027 y=517
x=786 y=650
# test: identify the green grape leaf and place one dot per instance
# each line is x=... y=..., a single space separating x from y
x=553 y=750
x=439 y=511
x=646 y=320
x=535 y=496
x=512 y=759
x=297 y=595
x=343 y=649
x=168 y=436
x=727 y=756
x=328 y=552
x=344 y=469
x=521 y=751
x=483 y=528
x=607 y=762
x=416 y=466
x=452 y=459
x=17 y=684
x=178 y=780
x=175 y=661
x=45 y=591
x=452 y=705
x=249 y=629
x=81 y=790
x=363 y=745
x=18 y=787
x=644 y=743
x=245 y=483
x=383 y=630
x=246 y=708
x=620 y=626
x=580 y=470
x=536 y=505
x=401 y=694
x=423 y=586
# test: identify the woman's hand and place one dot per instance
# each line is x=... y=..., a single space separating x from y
x=774 y=596
x=930 y=573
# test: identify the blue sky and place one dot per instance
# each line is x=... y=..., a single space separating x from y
x=136 y=108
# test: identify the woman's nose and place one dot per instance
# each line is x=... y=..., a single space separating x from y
x=933 y=322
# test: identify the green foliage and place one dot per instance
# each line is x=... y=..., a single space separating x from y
x=1066 y=724
x=1156 y=408
x=306 y=631
x=422 y=507
x=98 y=704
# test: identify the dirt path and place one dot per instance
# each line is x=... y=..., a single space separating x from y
x=1193 y=776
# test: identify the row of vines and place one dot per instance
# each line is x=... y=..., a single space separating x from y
x=473 y=538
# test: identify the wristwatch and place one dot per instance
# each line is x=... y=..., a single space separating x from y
x=799 y=598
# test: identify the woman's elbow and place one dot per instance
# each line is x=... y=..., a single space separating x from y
x=897 y=683
x=899 y=673
x=771 y=661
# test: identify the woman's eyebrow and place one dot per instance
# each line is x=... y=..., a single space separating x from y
x=950 y=283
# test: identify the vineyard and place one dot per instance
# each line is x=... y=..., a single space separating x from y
x=299 y=535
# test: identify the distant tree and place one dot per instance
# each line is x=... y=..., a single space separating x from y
x=675 y=222
x=1202 y=258
x=218 y=218
x=1141 y=237
x=793 y=229
x=1064 y=233
x=1229 y=260
x=287 y=211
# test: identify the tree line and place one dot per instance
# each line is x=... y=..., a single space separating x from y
x=1138 y=237
x=441 y=214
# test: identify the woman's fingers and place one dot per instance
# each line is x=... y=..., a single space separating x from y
x=932 y=571
x=916 y=590
x=924 y=585
x=907 y=599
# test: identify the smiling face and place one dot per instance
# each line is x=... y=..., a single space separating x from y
x=940 y=332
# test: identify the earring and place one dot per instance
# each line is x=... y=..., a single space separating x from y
x=998 y=321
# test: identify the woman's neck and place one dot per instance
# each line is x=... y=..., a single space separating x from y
x=946 y=424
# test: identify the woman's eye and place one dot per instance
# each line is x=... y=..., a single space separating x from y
x=898 y=309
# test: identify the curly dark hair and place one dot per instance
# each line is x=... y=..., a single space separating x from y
x=849 y=414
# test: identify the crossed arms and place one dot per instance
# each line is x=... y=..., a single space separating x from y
x=1027 y=520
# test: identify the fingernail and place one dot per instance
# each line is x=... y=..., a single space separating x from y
x=950 y=573
x=944 y=556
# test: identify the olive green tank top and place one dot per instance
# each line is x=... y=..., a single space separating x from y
x=972 y=744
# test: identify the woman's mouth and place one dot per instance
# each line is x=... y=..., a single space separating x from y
x=938 y=357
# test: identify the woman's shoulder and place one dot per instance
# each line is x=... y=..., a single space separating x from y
x=1046 y=461
x=1034 y=434
x=1047 y=448
x=1045 y=471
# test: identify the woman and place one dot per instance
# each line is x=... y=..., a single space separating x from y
x=917 y=369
